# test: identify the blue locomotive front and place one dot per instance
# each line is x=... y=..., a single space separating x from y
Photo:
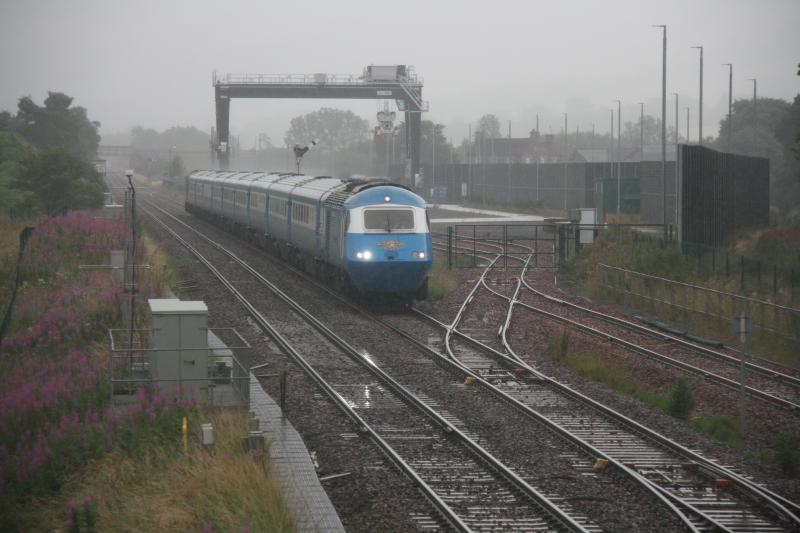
x=387 y=241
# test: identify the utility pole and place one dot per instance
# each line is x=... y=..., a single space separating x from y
x=730 y=102
x=700 y=120
x=619 y=156
x=663 y=129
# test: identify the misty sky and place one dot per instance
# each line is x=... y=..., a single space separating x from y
x=150 y=62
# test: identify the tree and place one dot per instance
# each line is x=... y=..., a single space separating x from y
x=56 y=125
x=60 y=181
x=759 y=132
x=7 y=121
x=176 y=168
x=13 y=151
x=631 y=136
x=681 y=400
x=488 y=127
x=428 y=132
x=175 y=138
x=787 y=132
x=336 y=130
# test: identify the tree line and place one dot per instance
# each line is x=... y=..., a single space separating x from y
x=46 y=158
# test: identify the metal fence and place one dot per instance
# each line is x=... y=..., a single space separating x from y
x=651 y=292
x=475 y=245
x=754 y=277
x=227 y=380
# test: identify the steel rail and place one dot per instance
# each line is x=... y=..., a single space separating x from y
x=707 y=465
x=702 y=350
x=665 y=359
x=785 y=508
x=543 y=503
x=658 y=492
x=447 y=512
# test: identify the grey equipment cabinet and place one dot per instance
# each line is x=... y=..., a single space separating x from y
x=179 y=343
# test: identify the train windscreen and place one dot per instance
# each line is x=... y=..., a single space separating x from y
x=389 y=220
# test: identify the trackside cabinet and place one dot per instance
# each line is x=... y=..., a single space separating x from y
x=179 y=343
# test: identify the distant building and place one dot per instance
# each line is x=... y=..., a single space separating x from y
x=535 y=148
x=652 y=152
x=100 y=167
x=590 y=155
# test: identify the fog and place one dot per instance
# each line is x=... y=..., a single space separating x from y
x=150 y=62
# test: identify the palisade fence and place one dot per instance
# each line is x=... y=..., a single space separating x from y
x=687 y=302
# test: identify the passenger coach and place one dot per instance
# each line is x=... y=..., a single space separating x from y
x=370 y=234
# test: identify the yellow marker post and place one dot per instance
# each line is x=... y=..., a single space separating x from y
x=185 y=430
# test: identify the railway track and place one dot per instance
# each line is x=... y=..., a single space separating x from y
x=769 y=385
x=698 y=513
x=708 y=495
x=772 y=386
x=776 y=387
x=580 y=462
x=471 y=488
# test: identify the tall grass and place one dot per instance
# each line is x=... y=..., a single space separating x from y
x=441 y=282
x=55 y=416
x=650 y=257
x=162 y=489
x=722 y=428
x=600 y=370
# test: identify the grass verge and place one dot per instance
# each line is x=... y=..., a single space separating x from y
x=441 y=282
x=599 y=370
x=162 y=489
x=678 y=400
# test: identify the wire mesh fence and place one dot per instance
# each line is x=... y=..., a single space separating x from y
x=223 y=376
x=689 y=301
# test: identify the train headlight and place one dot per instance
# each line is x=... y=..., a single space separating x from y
x=418 y=255
x=366 y=255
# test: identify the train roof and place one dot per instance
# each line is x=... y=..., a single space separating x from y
x=335 y=192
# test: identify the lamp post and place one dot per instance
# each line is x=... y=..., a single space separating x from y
x=676 y=159
x=755 y=118
x=619 y=156
x=611 y=148
x=641 y=131
x=700 y=119
x=730 y=101
x=663 y=129
x=565 y=161
x=433 y=154
x=687 y=125
x=641 y=138
x=676 y=122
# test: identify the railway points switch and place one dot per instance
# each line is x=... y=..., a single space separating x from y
x=179 y=343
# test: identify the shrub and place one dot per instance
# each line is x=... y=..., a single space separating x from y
x=681 y=400
x=787 y=455
x=721 y=427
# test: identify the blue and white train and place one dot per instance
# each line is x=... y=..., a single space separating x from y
x=369 y=234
